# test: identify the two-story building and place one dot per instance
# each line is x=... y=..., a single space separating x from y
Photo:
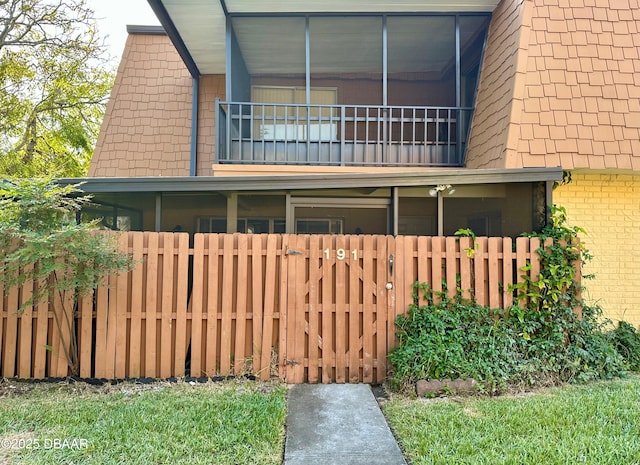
x=367 y=117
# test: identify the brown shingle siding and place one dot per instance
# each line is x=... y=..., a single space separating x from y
x=490 y=128
x=148 y=118
x=581 y=91
x=211 y=87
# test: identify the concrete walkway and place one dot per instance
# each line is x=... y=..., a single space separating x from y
x=337 y=424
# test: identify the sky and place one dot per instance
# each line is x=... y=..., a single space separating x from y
x=114 y=16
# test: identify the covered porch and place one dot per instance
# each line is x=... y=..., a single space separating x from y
x=434 y=203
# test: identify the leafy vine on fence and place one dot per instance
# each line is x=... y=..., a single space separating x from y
x=548 y=335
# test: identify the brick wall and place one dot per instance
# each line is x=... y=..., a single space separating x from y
x=607 y=206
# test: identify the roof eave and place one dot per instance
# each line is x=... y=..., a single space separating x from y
x=313 y=181
x=171 y=30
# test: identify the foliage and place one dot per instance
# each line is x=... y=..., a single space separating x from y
x=54 y=81
x=453 y=338
x=627 y=341
x=550 y=335
x=596 y=423
x=41 y=242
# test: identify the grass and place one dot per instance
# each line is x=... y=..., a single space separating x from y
x=595 y=424
x=213 y=423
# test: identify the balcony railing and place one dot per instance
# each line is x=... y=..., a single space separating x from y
x=363 y=135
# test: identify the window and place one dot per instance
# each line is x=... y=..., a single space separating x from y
x=285 y=120
x=113 y=217
x=210 y=224
x=319 y=226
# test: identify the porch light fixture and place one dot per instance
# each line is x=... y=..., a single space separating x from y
x=433 y=192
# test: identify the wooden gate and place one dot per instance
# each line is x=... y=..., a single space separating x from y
x=339 y=308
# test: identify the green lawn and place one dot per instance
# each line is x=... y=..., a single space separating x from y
x=595 y=424
x=213 y=423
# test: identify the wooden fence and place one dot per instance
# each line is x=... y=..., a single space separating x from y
x=306 y=308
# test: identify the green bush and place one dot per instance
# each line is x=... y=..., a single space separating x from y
x=457 y=338
x=41 y=242
x=554 y=337
x=453 y=338
x=627 y=341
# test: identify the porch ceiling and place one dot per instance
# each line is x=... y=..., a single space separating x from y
x=198 y=26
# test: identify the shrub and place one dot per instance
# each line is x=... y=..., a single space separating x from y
x=453 y=338
x=552 y=337
x=627 y=341
x=41 y=242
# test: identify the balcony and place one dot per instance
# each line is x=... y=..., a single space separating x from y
x=340 y=135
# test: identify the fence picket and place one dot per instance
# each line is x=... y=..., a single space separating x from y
x=229 y=280
x=283 y=333
x=137 y=288
x=26 y=329
x=522 y=257
x=40 y=352
x=241 y=305
x=368 y=290
x=269 y=302
x=404 y=262
x=11 y=330
x=480 y=270
x=85 y=334
x=424 y=270
x=507 y=272
x=436 y=265
x=181 y=279
x=151 y=306
x=314 y=335
x=451 y=265
x=166 y=334
x=257 y=303
x=390 y=302
x=494 y=280
x=354 y=342
x=213 y=281
x=341 y=303
x=298 y=358
x=122 y=296
x=381 y=306
x=466 y=271
x=196 y=304
x=534 y=245
x=328 y=341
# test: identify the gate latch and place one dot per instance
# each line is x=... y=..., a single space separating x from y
x=293 y=252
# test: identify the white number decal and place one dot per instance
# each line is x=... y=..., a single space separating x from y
x=341 y=254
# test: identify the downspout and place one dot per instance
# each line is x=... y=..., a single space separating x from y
x=195 y=98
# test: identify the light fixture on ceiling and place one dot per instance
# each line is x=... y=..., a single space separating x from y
x=433 y=192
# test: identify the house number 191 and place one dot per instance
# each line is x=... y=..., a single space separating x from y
x=341 y=254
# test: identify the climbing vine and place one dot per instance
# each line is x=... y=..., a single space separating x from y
x=549 y=335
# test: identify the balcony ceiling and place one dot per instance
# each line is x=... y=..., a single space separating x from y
x=200 y=24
